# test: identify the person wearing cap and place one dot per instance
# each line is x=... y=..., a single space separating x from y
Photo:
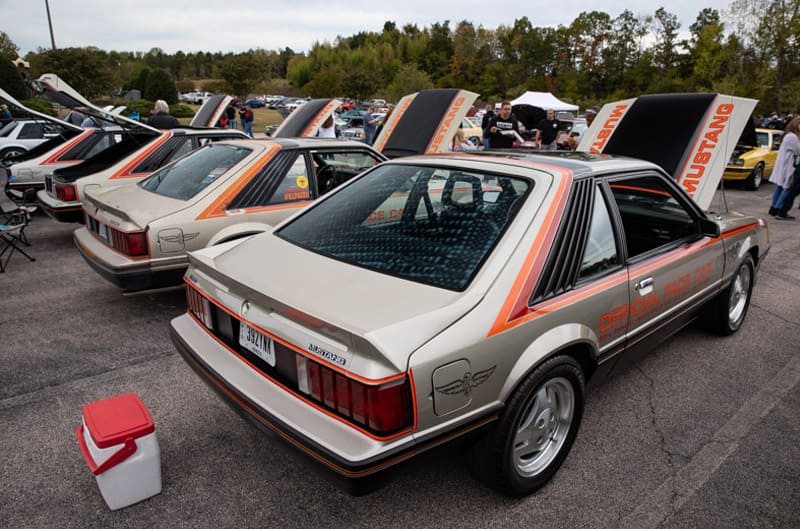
x=5 y=115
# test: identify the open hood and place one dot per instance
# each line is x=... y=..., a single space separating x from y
x=306 y=120
x=529 y=115
x=6 y=98
x=424 y=122
x=210 y=112
x=56 y=89
x=691 y=136
x=748 y=137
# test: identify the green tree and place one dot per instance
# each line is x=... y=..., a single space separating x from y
x=241 y=74
x=665 y=51
x=407 y=80
x=139 y=81
x=11 y=80
x=772 y=29
x=705 y=47
x=161 y=85
x=87 y=70
x=436 y=59
x=8 y=49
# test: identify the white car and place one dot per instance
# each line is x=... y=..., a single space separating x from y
x=17 y=137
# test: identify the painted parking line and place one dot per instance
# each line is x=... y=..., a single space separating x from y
x=654 y=509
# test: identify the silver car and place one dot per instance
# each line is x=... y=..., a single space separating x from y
x=434 y=297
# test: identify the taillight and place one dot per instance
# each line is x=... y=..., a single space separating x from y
x=66 y=192
x=135 y=243
x=383 y=408
x=199 y=306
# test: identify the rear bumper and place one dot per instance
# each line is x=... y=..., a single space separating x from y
x=354 y=461
x=127 y=273
x=61 y=211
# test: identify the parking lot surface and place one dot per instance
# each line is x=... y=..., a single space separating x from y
x=702 y=432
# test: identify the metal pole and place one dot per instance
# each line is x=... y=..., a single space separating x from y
x=50 y=23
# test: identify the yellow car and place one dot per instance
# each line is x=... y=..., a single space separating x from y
x=752 y=164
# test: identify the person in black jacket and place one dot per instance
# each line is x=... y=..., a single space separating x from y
x=502 y=128
x=161 y=119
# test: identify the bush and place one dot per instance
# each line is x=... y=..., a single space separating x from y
x=181 y=111
x=142 y=106
x=40 y=104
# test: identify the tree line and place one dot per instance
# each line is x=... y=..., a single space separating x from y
x=751 y=50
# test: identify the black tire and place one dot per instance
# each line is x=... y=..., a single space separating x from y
x=728 y=310
x=755 y=178
x=526 y=447
x=476 y=141
x=11 y=151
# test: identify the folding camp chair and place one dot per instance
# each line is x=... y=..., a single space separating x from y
x=13 y=215
x=11 y=235
x=15 y=219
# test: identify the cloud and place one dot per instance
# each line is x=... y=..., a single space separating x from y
x=238 y=25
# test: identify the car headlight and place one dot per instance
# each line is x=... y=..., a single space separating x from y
x=23 y=173
x=736 y=161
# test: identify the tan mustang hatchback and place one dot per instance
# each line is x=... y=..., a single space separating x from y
x=137 y=236
x=432 y=297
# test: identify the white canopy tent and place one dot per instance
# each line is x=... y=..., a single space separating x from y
x=543 y=100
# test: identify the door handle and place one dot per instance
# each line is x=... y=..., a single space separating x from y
x=645 y=286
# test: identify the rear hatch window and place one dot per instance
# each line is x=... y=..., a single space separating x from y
x=431 y=225
x=188 y=176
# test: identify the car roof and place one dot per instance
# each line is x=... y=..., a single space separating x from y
x=299 y=143
x=519 y=161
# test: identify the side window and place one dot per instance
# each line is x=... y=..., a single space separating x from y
x=31 y=131
x=294 y=185
x=334 y=168
x=104 y=142
x=174 y=148
x=601 y=249
x=652 y=216
x=186 y=146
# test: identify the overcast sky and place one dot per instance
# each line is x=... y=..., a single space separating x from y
x=239 y=25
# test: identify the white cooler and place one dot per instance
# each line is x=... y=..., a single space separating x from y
x=118 y=441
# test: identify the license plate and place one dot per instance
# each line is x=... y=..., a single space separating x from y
x=257 y=343
x=102 y=231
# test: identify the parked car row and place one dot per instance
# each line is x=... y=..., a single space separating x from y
x=371 y=303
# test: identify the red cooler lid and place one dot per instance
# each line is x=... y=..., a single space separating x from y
x=112 y=420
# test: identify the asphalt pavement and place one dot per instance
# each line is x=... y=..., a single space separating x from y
x=704 y=432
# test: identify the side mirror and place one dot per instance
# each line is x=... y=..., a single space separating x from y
x=709 y=228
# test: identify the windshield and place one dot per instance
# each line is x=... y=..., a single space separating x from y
x=426 y=224
x=188 y=176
